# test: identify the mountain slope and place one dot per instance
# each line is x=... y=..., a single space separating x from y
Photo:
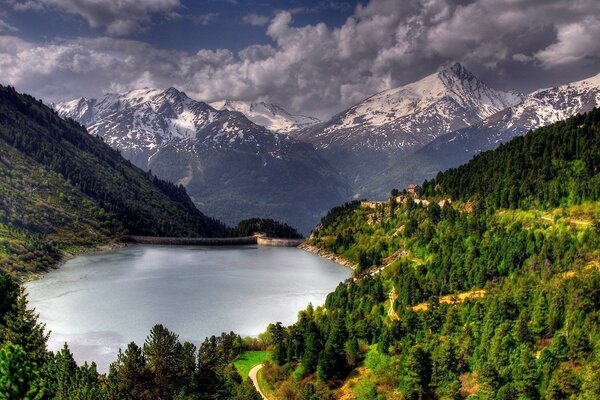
x=494 y=295
x=538 y=109
x=271 y=116
x=62 y=188
x=363 y=139
x=231 y=167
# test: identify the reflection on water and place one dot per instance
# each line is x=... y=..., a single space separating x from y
x=99 y=302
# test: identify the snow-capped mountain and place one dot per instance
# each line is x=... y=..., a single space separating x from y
x=540 y=108
x=143 y=120
x=404 y=119
x=232 y=167
x=271 y=116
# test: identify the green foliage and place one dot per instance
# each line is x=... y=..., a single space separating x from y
x=533 y=332
x=553 y=166
x=269 y=227
x=19 y=377
x=249 y=359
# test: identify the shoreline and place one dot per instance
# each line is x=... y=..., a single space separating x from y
x=328 y=255
x=122 y=242
x=69 y=255
x=220 y=242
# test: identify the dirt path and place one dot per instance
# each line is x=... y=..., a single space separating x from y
x=253 y=377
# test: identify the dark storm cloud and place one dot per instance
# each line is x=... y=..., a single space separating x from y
x=116 y=17
x=518 y=44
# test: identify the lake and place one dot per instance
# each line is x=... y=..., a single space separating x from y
x=99 y=302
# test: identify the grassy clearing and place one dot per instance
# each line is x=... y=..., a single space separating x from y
x=249 y=359
x=456 y=298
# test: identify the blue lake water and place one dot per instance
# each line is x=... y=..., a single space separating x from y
x=99 y=302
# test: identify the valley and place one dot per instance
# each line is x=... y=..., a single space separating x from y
x=299 y=200
x=396 y=137
x=232 y=168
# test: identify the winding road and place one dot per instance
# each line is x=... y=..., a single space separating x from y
x=253 y=377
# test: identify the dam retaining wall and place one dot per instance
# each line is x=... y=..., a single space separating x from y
x=222 y=241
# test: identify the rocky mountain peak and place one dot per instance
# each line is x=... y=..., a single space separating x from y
x=269 y=115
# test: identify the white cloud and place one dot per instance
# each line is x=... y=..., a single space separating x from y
x=117 y=17
x=255 y=19
x=6 y=27
x=575 y=41
x=319 y=69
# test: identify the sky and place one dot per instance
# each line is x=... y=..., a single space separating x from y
x=314 y=57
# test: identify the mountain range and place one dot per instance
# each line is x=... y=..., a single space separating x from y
x=540 y=108
x=366 y=138
x=63 y=190
x=271 y=116
x=232 y=168
x=241 y=159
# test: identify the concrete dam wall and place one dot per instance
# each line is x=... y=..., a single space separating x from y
x=222 y=241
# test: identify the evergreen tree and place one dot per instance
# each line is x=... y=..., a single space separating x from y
x=22 y=328
x=419 y=374
x=161 y=351
x=131 y=379
x=19 y=376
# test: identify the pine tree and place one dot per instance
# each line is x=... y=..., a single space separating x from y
x=130 y=376
x=19 y=376
x=418 y=374
x=161 y=351
x=22 y=328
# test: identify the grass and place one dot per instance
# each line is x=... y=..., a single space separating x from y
x=265 y=387
x=249 y=359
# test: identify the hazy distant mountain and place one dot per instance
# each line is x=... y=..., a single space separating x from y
x=232 y=167
x=362 y=140
x=271 y=116
x=540 y=108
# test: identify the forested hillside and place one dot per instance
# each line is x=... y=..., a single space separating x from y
x=266 y=226
x=550 y=167
x=486 y=286
x=62 y=188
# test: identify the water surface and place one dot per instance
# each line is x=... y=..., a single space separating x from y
x=100 y=302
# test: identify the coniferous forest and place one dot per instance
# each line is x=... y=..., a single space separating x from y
x=489 y=289
x=483 y=286
x=300 y=200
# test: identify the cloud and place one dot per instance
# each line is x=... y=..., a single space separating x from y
x=118 y=18
x=205 y=19
x=339 y=6
x=575 y=41
x=255 y=19
x=6 y=27
x=318 y=69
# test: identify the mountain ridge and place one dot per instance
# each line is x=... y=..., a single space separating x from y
x=233 y=168
x=540 y=108
x=484 y=285
x=271 y=116
x=362 y=140
x=64 y=189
